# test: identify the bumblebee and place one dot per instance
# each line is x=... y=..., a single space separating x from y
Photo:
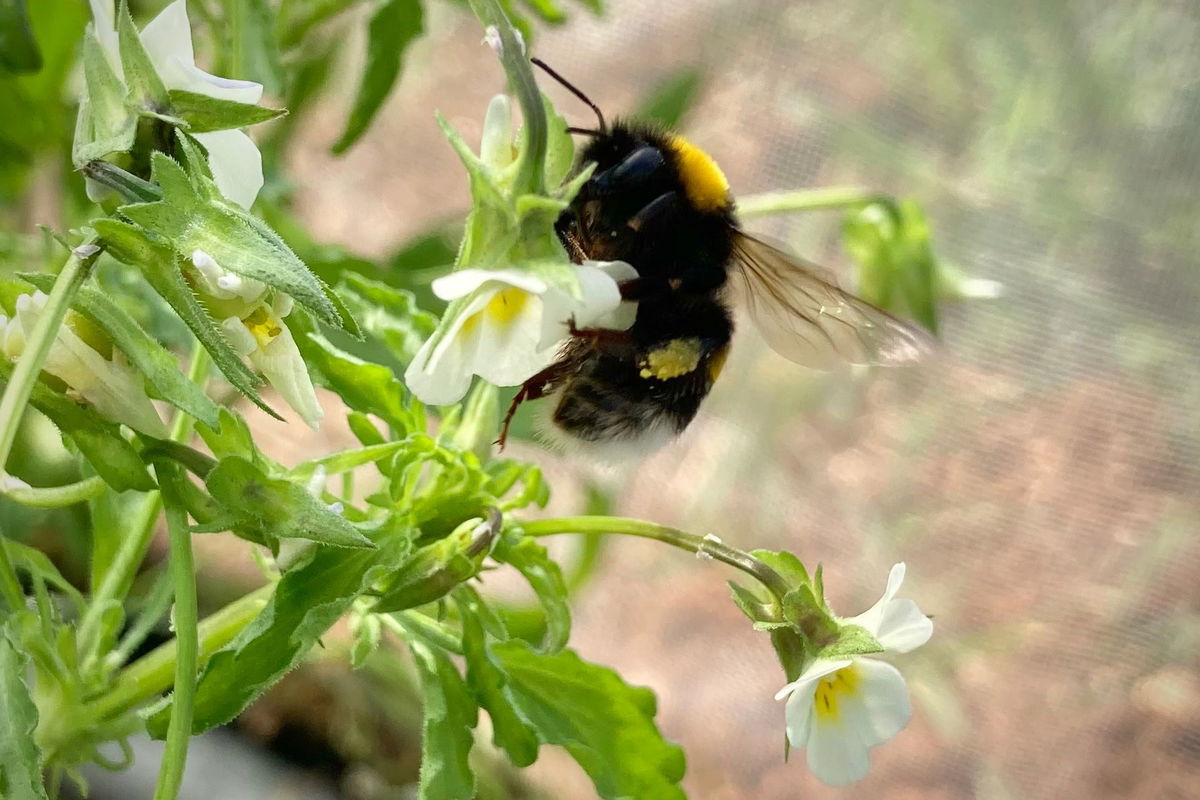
x=661 y=204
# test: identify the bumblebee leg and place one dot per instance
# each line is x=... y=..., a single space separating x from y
x=598 y=337
x=536 y=387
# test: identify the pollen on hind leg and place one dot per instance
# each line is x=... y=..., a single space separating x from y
x=671 y=360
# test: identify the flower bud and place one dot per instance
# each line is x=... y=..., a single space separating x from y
x=436 y=569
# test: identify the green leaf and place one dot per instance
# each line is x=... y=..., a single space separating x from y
x=231 y=438
x=256 y=54
x=18 y=48
x=487 y=681
x=203 y=113
x=20 y=759
x=146 y=88
x=345 y=460
x=194 y=217
x=370 y=388
x=308 y=599
x=604 y=723
x=549 y=11
x=267 y=507
x=786 y=564
x=446 y=739
x=144 y=352
x=159 y=266
x=36 y=564
x=100 y=441
x=671 y=99
x=394 y=25
x=389 y=314
x=545 y=578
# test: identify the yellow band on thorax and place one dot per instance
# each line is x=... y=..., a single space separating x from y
x=703 y=180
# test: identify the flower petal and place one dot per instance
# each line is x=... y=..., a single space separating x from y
x=903 y=627
x=284 y=367
x=236 y=164
x=816 y=670
x=836 y=752
x=105 y=28
x=510 y=350
x=464 y=281
x=178 y=74
x=440 y=372
x=168 y=36
x=884 y=700
x=872 y=618
x=496 y=145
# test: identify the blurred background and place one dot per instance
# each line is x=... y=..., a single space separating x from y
x=1040 y=480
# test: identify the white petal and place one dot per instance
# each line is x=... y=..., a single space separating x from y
x=440 y=373
x=168 y=36
x=283 y=366
x=464 y=281
x=872 y=618
x=617 y=270
x=510 y=352
x=903 y=627
x=884 y=700
x=239 y=336
x=106 y=32
x=836 y=753
x=817 y=669
x=236 y=164
x=178 y=74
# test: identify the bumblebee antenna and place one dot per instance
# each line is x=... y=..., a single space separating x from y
x=571 y=88
x=583 y=131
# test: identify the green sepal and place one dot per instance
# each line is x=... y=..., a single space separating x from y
x=104 y=125
x=852 y=640
x=560 y=146
x=203 y=113
x=266 y=507
x=146 y=89
x=446 y=739
x=143 y=351
x=231 y=437
x=193 y=217
x=434 y=570
x=366 y=631
x=757 y=609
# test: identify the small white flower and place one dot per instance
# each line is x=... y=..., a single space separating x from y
x=235 y=161
x=251 y=315
x=510 y=326
x=110 y=385
x=838 y=709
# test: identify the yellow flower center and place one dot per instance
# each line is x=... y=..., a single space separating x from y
x=507 y=304
x=833 y=689
x=264 y=327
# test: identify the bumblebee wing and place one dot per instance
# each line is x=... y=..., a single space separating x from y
x=804 y=317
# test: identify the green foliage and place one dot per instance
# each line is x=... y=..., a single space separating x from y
x=673 y=97
x=20 y=759
x=203 y=113
x=446 y=738
x=394 y=26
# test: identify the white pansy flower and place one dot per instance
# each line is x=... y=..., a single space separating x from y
x=251 y=315
x=510 y=325
x=234 y=159
x=110 y=385
x=838 y=709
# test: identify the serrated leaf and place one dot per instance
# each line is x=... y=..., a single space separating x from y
x=100 y=441
x=194 y=217
x=276 y=507
x=203 y=113
x=545 y=578
x=144 y=352
x=159 y=266
x=393 y=27
x=446 y=738
x=309 y=598
x=366 y=387
x=604 y=723
x=487 y=681
x=20 y=759
x=146 y=88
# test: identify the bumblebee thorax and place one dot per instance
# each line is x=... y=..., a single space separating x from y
x=703 y=181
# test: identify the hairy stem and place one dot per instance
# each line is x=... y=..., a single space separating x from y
x=57 y=496
x=183 y=576
x=705 y=545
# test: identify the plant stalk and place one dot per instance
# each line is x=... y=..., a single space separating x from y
x=831 y=198
x=704 y=545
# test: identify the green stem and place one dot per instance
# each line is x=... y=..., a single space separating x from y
x=57 y=496
x=183 y=576
x=833 y=197
x=29 y=366
x=531 y=171
x=119 y=576
x=706 y=545
x=150 y=675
